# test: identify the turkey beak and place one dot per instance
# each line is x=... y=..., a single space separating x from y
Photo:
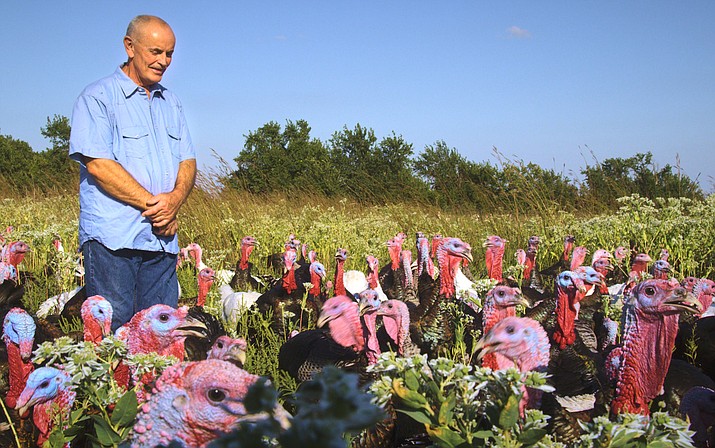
x=24 y=403
x=236 y=355
x=578 y=283
x=192 y=327
x=107 y=328
x=684 y=300
x=468 y=256
x=526 y=302
x=365 y=308
x=323 y=319
x=483 y=346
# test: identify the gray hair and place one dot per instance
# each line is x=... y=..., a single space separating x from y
x=135 y=26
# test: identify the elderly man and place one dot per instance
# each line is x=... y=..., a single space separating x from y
x=137 y=167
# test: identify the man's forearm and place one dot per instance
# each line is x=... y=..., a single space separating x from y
x=117 y=182
x=185 y=179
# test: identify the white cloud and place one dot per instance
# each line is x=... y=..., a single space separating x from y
x=518 y=33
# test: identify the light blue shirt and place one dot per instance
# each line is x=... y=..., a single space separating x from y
x=113 y=119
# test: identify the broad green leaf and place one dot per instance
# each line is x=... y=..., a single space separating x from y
x=483 y=434
x=411 y=380
x=125 y=410
x=419 y=416
x=105 y=433
x=531 y=436
x=445 y=437
x=446 y=409
x=56 y=440
x=408 y=397
x=510 y=414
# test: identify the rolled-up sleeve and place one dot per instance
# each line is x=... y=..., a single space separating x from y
x=91 y=133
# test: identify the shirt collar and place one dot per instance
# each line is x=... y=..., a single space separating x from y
x=129 y=86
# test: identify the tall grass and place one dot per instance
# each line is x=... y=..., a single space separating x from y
x=217 y=218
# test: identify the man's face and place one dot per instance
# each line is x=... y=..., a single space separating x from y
x=150 y=53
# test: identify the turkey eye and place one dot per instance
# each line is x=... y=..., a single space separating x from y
x=650 y=291
x=44 y=384
x=164 y=317
x=501 y=293
x=219 y=344
x=216 y=395
x=510 y=329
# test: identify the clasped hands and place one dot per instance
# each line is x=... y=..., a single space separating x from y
x=161 y=211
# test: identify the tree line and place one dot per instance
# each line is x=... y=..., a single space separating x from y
x=356 y=164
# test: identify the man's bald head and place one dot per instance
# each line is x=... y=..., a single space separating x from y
x=149 y=44
x=138 y=25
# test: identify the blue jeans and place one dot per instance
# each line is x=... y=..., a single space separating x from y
x=132 y=280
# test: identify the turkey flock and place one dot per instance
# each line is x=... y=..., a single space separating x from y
x=616 y=333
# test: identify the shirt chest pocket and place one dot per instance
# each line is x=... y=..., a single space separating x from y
x=135 y=141
x=174 y=139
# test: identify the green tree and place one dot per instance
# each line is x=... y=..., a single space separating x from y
x=454 y=180
x=55 y=160
x=19 y=164
x=279 y=160
x=617 y=177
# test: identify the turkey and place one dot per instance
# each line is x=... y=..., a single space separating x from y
x=525 y=343
x=18 y=336
x=563 y=264
x=341 y=255
x=223 y=276
x=650 y=327
x=391 y=274
x=235 y=303
x=530 y=278
x=192 y=403
x=97 y=318
x=12 y=255
x=695 y=341
x=201 y=337
x=160 y=329
x=283 y=301
x=274 y=262
x=431 y=329
x=396 y=327
x=49 y=391
x=342 y=343
x=229 y=349
x=499 y=303
x=242 y=278
x=698 y=406
x=495 y=257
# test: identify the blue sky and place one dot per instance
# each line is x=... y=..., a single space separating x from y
x=561 y=83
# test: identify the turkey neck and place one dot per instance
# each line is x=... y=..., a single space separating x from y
x=494 y=261
x=245 y=253
x=204 y=287
x=564 y=334
x=19 y=371
x=289 y=280
x=648 y=342
x=339 y=271
x=491 y=315
x=448 y=266
x=43 y=413
x=316 y=282
x=369 y=327
x=530 y=263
